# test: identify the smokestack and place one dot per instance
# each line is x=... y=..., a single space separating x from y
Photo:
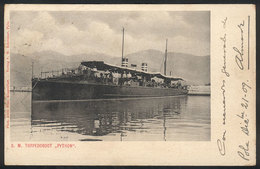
x=124 y=62
x=144 y=67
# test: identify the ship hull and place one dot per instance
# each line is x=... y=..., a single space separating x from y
x=61 y=90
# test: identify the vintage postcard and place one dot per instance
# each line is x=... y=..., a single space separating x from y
x=130 y=85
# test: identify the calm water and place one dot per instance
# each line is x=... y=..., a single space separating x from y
x=182 y=118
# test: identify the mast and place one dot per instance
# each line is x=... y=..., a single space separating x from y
x=123 y=43
x=32 y=69
x=165 y=57
x=124 y=62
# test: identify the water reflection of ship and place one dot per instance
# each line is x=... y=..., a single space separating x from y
x=107 y=117
x=99 y=80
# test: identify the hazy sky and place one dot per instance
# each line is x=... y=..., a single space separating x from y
x=72 y=33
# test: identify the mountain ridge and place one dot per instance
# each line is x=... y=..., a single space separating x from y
x=194 y=69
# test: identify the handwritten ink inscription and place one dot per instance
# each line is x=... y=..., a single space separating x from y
x=243 y=150
x=224 y=67
x=224 y=101
x=245 y=121
x=221 y=142
x=243 y=117
x=224 y=41
x=240 y=52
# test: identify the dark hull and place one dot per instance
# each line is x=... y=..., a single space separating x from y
x=61 y=90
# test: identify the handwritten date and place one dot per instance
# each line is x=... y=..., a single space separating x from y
x=243 y=151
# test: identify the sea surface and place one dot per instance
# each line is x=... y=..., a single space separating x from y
x=180 y=118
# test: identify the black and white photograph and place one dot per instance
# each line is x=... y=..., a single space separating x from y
x=110 y=76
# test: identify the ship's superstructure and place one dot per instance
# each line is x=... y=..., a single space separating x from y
x=99 y=80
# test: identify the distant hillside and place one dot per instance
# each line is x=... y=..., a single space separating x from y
x=194 y=69
x=21 y=65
